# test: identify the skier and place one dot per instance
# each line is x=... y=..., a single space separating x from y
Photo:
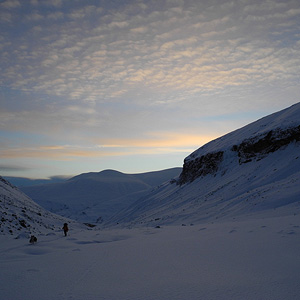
x=65 y=228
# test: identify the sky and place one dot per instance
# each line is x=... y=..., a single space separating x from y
x=137 y=85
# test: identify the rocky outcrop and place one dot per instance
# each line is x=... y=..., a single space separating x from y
x=259 y=147
x=20 y=216
x=201 y=166
x=254 y=148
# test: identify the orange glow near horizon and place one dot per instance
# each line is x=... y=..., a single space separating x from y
x=158 y=144
x=159 y=140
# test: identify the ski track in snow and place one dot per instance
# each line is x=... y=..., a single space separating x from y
x=253 y=259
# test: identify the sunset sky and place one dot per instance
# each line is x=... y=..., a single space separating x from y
x=137 y=85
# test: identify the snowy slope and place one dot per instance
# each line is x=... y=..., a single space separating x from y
x=93 y=197
x=284 y=119
x=20 y=216
x=253 y=170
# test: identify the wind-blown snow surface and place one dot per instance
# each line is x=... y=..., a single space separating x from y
x=249 y=260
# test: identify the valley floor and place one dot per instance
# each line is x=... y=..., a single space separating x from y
x=254 y=259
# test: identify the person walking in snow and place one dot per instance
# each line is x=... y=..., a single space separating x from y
x=33 y=239
x=65 y=228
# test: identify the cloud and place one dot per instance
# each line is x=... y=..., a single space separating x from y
x=12 y=168
x=108 y=73
x=35 y=16
x=84 y=12
x=155 y=143
x=10 y=4
x=139 y=30
x=194 y=52
x=5 y=17
x=55 y=16
x=158 y=140
x=55 y=3
x=58 y=153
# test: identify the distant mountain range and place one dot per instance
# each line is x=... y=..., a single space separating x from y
x=252 y=172
x=94 y=197
x=23 y=181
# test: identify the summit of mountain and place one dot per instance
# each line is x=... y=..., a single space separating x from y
x=95 y=196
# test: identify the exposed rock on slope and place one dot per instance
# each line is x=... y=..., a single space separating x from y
x=200 y=166
x=259 y=147
x=20 y=215
x=253 y=148
x=261 y=141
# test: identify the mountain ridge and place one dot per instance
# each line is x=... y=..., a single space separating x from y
x=247 y=172
x=254 y=140
x=218 y=182
x=95 y=196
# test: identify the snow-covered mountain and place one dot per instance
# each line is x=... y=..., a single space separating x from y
x=23 y=181
x=20 y=216
x=94 y=197
x=253 y=170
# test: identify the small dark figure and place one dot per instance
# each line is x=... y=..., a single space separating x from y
x=65 y=228
x=33 y=239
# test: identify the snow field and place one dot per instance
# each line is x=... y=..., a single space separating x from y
x=253 y=259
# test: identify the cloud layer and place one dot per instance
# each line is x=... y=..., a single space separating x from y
x=89 y=71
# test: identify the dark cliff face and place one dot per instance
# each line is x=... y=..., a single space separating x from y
x=255 y=148
x=201 y=166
